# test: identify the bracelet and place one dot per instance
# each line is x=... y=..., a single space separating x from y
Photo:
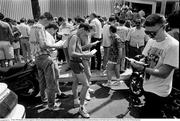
x=144 y=69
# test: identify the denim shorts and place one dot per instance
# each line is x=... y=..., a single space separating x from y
x=77 y=67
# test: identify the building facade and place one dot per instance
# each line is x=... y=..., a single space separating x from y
x=17 y=9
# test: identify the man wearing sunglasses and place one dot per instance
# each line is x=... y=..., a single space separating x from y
x=136 y=39
x=162 y=51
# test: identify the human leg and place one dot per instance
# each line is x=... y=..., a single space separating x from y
x=87 y=71
x=2 y=55
x=109 y=68
x=42 y=84
x=85 y=86
x=105 y=57
x=98 y=56
x=23 y=47
x=9 y=53
x=28 y=50
x=51 y=82
x=117 y=71
x=80 y=76
x=152 y=107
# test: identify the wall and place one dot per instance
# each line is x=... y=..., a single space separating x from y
x=16 y=9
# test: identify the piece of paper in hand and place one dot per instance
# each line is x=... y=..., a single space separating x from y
x=60 y=43
x=93 y=51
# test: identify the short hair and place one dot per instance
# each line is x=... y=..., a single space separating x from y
x=85 y=26
x=121 y=21
x=69 y=19
x=8 y=20
x=112 y=19
x=155 y=19
x=128 y=23
x=1 y=16
x=22 y=20
x=113 y=29
x=79 y=19
x=46 y=15
x=94 y=14
x=61 y=19
x=52 y=25
x=30 y=21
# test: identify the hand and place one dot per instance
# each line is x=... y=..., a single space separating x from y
x=138 y=65
x=89 y=54
x=94 y=43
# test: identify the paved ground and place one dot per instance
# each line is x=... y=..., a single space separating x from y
x=105 y=103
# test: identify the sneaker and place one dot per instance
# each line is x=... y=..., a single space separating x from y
x=83 y=112
x=108 y=84
x=91 y=90
x=62 y=96
x=56 y=107
x=88 y=97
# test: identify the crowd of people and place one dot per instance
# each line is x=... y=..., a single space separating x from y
x=79 y=43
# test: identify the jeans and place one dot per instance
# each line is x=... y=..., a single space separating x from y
x=47 y=76
x=153 y=106
x=105 y=57
x=25 y=46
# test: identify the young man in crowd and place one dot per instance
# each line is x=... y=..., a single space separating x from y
x=115 y=56
x=24 y=40
x=137 y=39
x=47 y=69
x=96 y=36
x=76 y=63
x=163 y=57
x=122 y=31
x=6 y=40
x=106 y=42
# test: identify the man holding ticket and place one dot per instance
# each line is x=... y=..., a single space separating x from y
x=76 y=55
x=162 y=51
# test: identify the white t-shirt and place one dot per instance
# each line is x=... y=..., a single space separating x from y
x=51 y=40
x=165 y=52
x=24 y=29
x=137 y=37
x=98 y=27
x=106 y=40
x=122 y=31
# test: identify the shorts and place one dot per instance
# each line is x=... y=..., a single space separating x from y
x=77 y=67
x=6 y=50
x=16 y=45
x=112 y=66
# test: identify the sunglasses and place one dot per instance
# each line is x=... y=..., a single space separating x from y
x=152 y=34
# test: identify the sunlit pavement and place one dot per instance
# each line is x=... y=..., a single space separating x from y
x=105 y=103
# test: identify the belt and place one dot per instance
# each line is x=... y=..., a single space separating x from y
x=24 y=37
